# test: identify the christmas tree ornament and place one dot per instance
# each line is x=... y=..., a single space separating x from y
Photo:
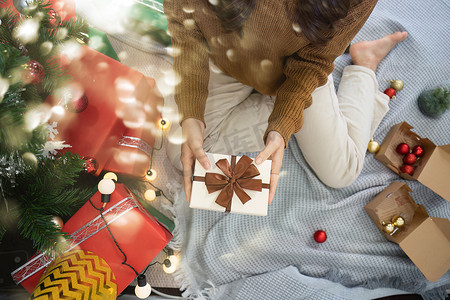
x=391 y=93
x=408 y=169
x=409 y=159
x=373 y=146
x=397 y=85
x=320 y=236
x=90 y=165
x=142 y=289
x=20 y=5
x=34 y=72
x=418 y=151
x=402 y=148
x=76 y=105
x=388 y=227
x=58 y=221
x=77 y=274
x=23 y=49
x=433 y=103
x=398 y=221
x=110 y=175
x=54 y=19
x=150 y=175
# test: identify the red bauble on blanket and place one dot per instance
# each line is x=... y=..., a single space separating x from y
x=320 y=236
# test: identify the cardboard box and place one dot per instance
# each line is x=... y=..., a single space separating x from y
x=202 y=198
x=425 y=240
x=122 y=102
x=140 y=236
x=432 y=170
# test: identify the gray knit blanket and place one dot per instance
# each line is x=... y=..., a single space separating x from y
x=229 y=256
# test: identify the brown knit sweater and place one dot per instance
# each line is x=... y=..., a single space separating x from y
x=270 y=56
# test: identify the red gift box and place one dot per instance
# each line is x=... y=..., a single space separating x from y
x=65 y=8
x=140 y=236
x=118 y=126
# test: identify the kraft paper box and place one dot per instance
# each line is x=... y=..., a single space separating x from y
x=243 y=178
x=432 y=170
x=119 y=125
x=424 y=239
x=140 y=236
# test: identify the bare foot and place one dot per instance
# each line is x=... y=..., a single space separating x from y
x=370 y=53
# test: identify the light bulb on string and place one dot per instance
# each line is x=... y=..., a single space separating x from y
x=173 y=258
x=168 y=267
x=106 y=187
x=110 y=175
x=151 y=195
x=150 y=175
x=164 y=123
x=142 y=289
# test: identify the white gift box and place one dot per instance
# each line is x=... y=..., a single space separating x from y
x=202 y=199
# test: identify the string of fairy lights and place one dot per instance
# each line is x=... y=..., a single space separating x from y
x=106 y=187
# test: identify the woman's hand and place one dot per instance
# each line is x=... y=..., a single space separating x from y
x=275 y=148
x=191 y=149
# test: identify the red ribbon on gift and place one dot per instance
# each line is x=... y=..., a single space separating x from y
x=237 y=178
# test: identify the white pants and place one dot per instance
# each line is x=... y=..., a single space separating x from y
x=333 y=139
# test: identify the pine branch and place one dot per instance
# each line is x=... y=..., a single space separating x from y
x=8 y=22
x=40 y=228
x=45 y=193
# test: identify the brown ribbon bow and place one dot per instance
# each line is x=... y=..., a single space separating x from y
x=237 y=178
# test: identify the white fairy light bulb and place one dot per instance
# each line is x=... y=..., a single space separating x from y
x=150 y=195
x=106 y=186
x=168 y=267
x=150 y=175
x=110 y=175
x=142 y=289
x=164 y=123
x=173 y=260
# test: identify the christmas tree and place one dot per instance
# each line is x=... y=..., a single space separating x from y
x=36 y=183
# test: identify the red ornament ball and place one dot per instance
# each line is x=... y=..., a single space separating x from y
x=391 y=93
x=409 y=159
x=54 y=19
x=320 y=236
x=34 y=72
x=90 y=165
x=407 y=169
x=418 y=151
x=76 y=105
x=402 y=148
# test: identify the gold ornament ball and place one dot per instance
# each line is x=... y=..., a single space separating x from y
x=58 y=221
x=373 y=146
x=397 y=85
x=398 y=221
x=389 y=228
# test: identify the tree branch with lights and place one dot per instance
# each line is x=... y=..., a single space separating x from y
x=36 y=183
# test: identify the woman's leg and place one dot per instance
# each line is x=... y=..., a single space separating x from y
x=337 y=128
